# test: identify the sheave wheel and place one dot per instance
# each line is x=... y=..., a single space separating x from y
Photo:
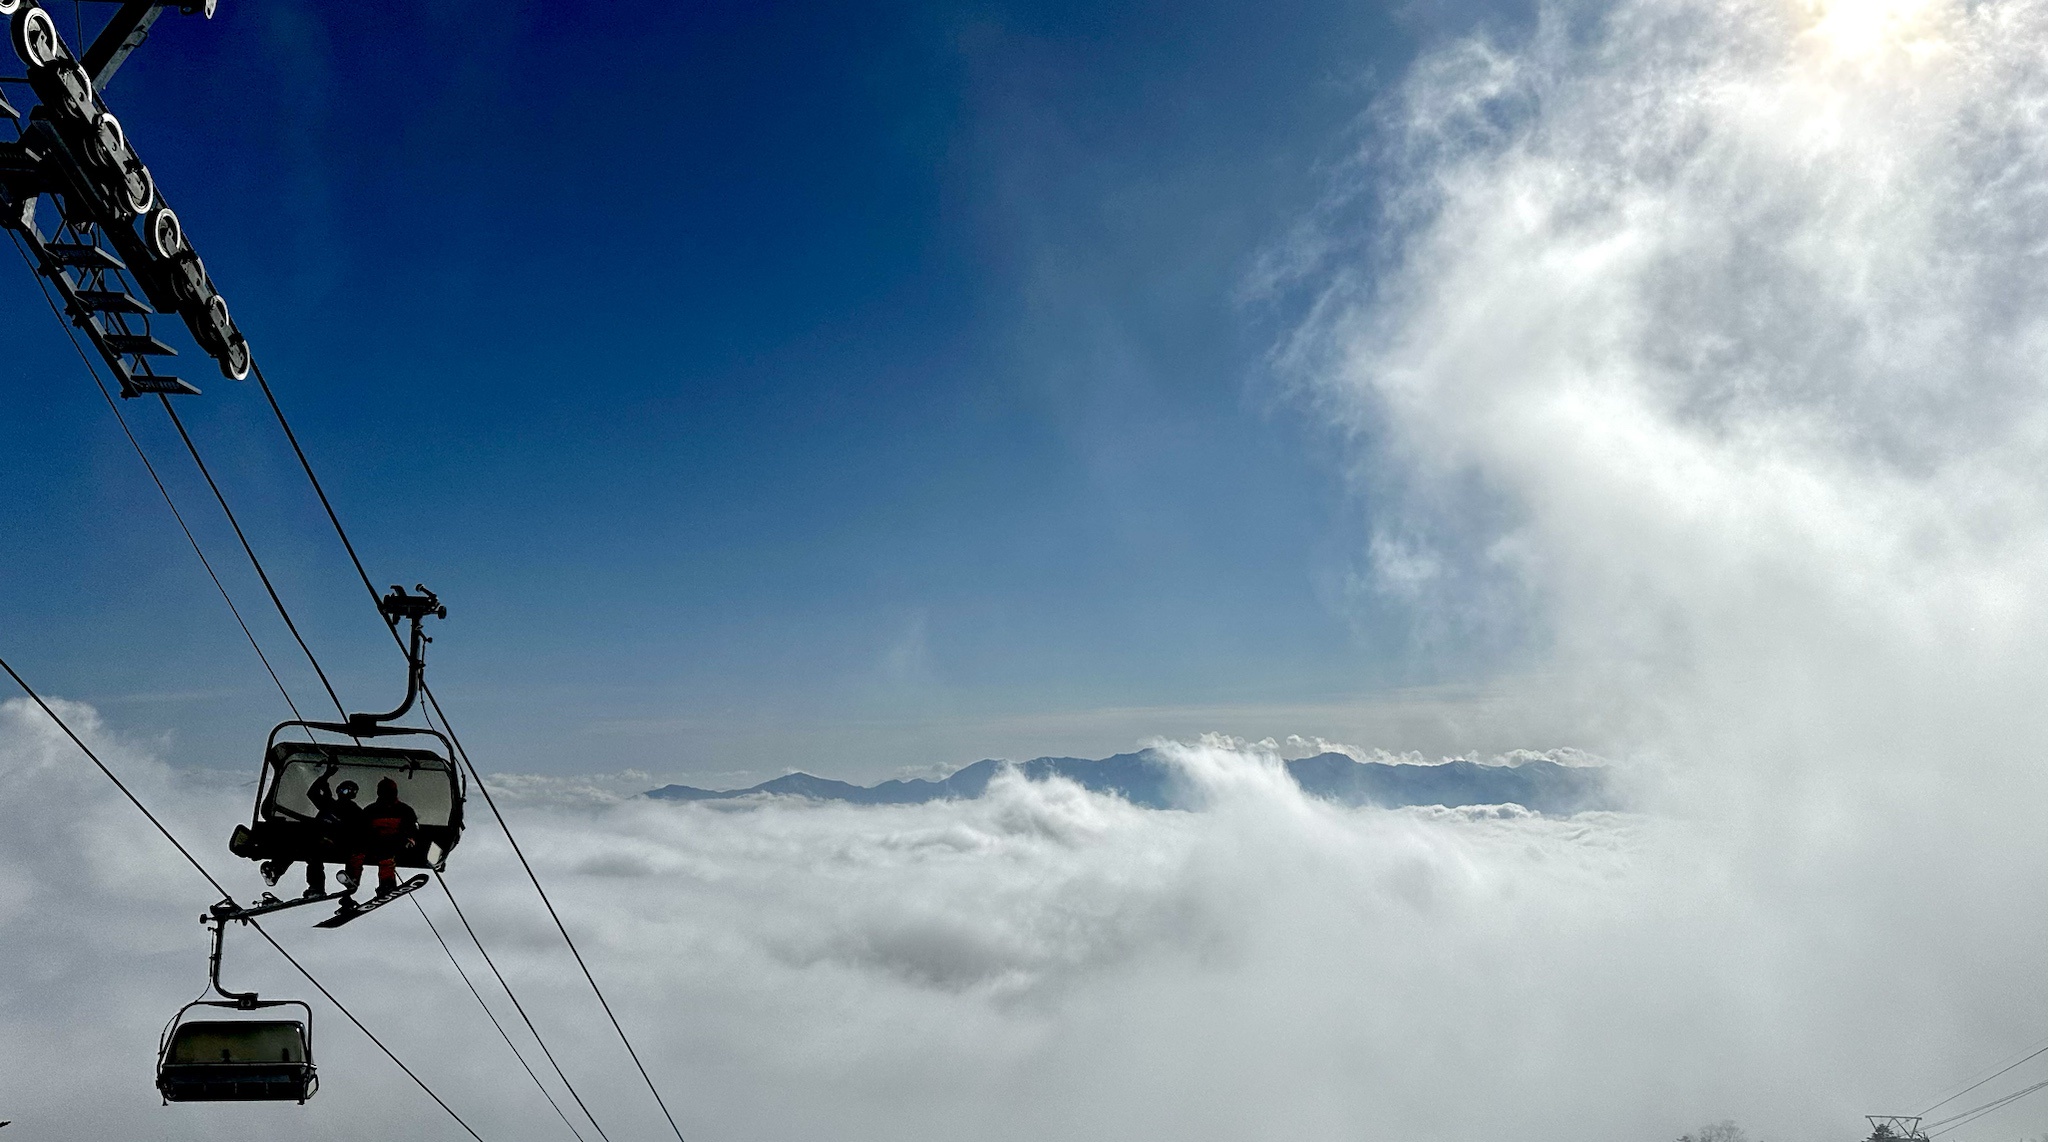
x=35 y=38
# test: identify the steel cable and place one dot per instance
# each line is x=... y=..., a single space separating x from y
x=311 y=658
x=285 y=614
x=93 y=371
x=282 y=613
x=290 y=624
x=1980 y=1082
x=1974 y=1113
x=518 y=1006
x=200 y=552
x=197 y=550
x=457 y=964
x=550 y=905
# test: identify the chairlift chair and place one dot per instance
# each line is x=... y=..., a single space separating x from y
x=235 y=1060
x=284 y=825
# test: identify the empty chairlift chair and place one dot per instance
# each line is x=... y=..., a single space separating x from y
x=237 y=1060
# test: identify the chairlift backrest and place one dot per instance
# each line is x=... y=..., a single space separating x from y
x=238 y=1041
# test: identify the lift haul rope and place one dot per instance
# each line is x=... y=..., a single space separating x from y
x=1973 y=1114
x=1980 y=1082
x=169 y=502
x=178 y=423
x=494 y=1019
x=552 y=914
x=454 y=739
x=285 y=614
x=518 y=1006
x=246 y=632
x=93 y=370
x=234 y=610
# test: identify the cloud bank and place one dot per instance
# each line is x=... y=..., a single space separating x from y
x=1040 y=962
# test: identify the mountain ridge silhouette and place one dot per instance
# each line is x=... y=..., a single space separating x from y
x=1145 y=778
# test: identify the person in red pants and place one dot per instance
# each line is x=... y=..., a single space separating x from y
x=389 y=827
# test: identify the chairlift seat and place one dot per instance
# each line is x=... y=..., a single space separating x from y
x=243 y=1060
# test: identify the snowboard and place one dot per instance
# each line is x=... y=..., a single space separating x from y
x=349 y=909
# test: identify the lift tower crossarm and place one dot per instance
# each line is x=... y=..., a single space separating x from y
x=123 y=34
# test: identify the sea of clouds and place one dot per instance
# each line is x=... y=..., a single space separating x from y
x=1695 y=353
x=1039 y=962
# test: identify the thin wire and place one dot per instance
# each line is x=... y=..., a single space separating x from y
x=457 y=965
x=251 y=552
x=218 y=887
x=94 y=372
x=1981 y=1082
x=118 y=783
x=272 y=941
x=285 y=693
x=306 y=464
x=1969 y=1116
x=518 y=1006
x=1945 y=1125
x=364 y=575
x=552 y=914
x=507 y=986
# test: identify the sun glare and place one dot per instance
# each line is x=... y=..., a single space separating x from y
x=1863 y=30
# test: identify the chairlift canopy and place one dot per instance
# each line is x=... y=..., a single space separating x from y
x=286 y=823
x=236 y=1060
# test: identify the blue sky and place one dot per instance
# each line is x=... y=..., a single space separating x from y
x=847 y=388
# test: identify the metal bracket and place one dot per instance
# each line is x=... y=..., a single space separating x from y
x=396 y=606
x=217 y=919
x=122 y=35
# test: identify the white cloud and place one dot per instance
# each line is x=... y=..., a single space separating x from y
x=1718 y=349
